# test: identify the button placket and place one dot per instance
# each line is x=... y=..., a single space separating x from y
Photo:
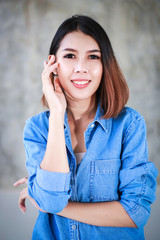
x=73 y=229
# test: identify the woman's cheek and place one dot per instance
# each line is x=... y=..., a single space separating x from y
x=98 y=72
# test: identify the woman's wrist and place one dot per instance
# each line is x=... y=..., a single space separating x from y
x=56 y=115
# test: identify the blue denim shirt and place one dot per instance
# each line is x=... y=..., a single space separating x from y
x=114 y=168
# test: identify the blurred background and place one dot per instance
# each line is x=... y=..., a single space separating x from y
x=26 y=30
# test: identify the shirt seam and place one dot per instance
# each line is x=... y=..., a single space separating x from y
x=137 y=206
x=130 y=127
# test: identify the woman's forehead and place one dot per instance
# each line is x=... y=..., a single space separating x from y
x=78 y=40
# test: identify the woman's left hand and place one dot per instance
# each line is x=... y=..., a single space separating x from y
x=24 y=195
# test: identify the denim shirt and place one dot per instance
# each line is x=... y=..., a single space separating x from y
x=114 y=168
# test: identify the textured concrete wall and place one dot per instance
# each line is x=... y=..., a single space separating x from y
x=26 y=30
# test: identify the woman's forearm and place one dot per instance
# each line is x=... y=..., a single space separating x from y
x=55 y=158
x=106 y=214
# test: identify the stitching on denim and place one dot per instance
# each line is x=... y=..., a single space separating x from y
x=66 y=183
x=110 y=197
x=135 y=208
x=91 y=179
x=129 y=129
x=143 y=189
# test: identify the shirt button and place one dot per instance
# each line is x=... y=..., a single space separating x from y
x=92 y=125
x=74 y=227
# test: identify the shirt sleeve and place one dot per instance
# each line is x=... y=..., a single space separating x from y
x=51 y=190
x=137 y=175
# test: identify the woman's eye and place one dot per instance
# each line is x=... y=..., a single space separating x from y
x=94 y=57
x=70 y=55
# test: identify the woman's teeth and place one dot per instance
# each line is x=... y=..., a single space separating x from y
x=80 y=82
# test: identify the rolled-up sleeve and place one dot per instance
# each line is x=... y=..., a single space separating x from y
x=137 y=175
x=51 y=190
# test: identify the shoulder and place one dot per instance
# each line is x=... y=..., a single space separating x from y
x=133 y=123
x=38 y=119
x=129 y=116
x=37 y=125
x=129 y=121
x=129 y=113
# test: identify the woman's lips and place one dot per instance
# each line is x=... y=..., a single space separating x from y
x=81 y=83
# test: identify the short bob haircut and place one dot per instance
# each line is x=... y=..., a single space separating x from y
x=113 y=91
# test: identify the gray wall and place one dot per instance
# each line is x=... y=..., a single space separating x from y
x=27 y=28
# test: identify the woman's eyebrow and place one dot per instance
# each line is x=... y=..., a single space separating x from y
x=69 y=49
x=94 y=50
x=89 y=51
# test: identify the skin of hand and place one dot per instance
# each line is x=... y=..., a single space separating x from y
x=24 y=195
x=53 y=92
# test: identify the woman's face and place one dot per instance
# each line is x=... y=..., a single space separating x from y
x=79 y=65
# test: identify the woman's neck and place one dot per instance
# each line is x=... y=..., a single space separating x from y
x=81 y=109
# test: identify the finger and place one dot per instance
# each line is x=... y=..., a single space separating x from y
x=45 y=63
x=22 y=205
x=48 y=69
x=23 y=196
x=51 y=58
x=20 y=181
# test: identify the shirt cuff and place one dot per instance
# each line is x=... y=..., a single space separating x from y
x=53 y=181
x=138 y=214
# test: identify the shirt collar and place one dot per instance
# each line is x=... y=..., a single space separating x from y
x=105 y=123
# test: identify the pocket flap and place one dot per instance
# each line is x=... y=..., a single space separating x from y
x=110 y=166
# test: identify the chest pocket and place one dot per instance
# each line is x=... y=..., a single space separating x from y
x=104 y=180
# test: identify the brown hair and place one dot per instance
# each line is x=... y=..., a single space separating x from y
x=113 y=91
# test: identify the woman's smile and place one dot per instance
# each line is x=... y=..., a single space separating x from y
x=80 y=83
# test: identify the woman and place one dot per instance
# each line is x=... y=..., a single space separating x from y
x=87 y=156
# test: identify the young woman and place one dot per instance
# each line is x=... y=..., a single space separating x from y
x=87 y=156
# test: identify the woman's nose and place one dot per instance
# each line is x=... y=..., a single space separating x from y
x=80 y=67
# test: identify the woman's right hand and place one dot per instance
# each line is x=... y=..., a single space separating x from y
x=52 y=89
